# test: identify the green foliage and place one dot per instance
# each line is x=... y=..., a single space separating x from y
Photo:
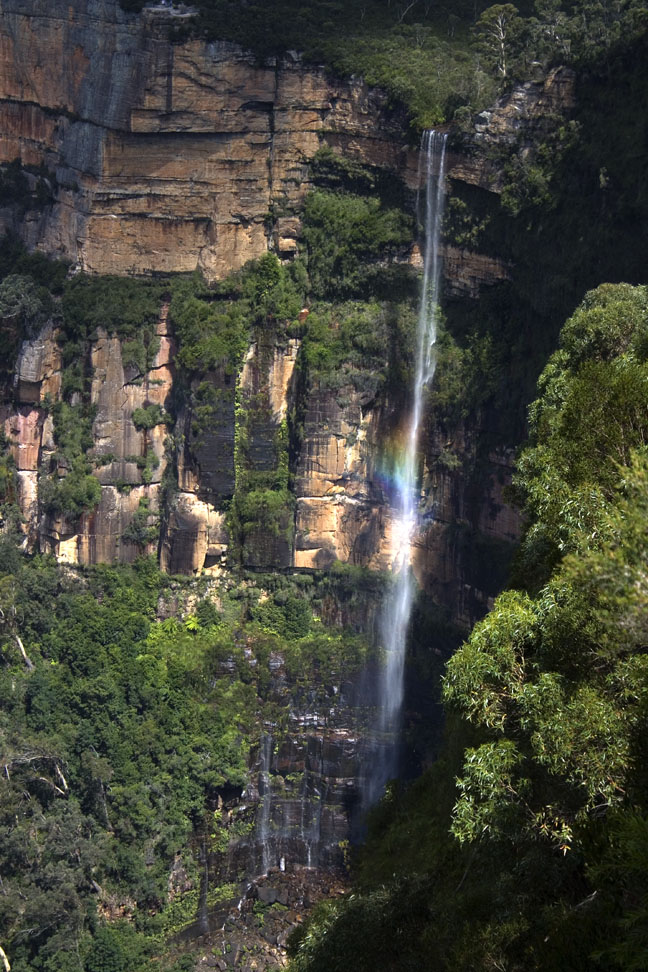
x=551 y=674
x=213 y=325
x=499 y=34
x=77 y=490
x=23 y=303
x=573 y=214
x=622 y=877
x=14 y=258
x=463 y=226
x=431 y=72
x=27 y=187
x=343 y=235
x=574 y=33
x=360 y=344
x=337 y=173
x=286 y=615
x=263 y=508
x=25 y=300
x=209 y=338
x=111 y=746
x=117 y=948
x=465 y=379
x=556 y=682
x=73 y=494
x=567 y=479
x=119 y=738
x=140 y=530
x=9 y=510
x=148 y=416
x=124 y=306
x=329 y=941
x=271 y=289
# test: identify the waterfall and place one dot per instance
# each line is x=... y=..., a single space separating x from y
x=265 y=792
x=398 y=608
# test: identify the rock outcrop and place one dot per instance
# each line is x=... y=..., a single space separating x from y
x=510 y=126
x=342 y=510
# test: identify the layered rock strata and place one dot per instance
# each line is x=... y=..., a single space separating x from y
x=167 y=156
x=129 y=462
x=342 y=510
x=175 y=156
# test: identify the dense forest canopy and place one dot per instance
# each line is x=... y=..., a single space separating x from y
x=118 y=731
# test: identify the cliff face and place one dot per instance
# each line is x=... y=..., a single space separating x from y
x=176 y=156
x=159 y=156
x=167 y=156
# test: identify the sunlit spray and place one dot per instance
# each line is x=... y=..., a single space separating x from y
x=398 y=608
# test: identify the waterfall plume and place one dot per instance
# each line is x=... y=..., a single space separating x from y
x=396 y=615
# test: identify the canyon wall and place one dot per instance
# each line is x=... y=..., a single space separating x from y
x=164 y=156
x=167 y=156
x=148 y=155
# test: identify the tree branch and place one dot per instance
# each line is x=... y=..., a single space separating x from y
x=43 y=779
x=61 y=778
x=406 y=11
x=28 y=662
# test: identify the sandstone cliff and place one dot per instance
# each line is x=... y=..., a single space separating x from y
x=176 y=156
x=167 y=156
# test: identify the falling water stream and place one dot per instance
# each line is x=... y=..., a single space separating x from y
x=398 y=608
x=295 y=830
x=265 y=792
x=280 y=829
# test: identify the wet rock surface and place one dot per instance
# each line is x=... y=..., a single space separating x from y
x=250 y=933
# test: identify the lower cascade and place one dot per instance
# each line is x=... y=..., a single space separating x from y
x=396 y=616
x=289 y=820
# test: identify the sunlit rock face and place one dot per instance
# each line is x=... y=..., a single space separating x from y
x=119 y=452
x=342 y=511
x=167 y=156
x=176 y=156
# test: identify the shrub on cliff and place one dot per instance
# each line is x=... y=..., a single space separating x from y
x=23 y=303
x=213 y=324
x=73 y=494
x=342 y=234
x=148 y=416
x=121 y=305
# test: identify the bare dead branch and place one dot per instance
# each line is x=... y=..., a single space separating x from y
x=27 y=660
x=43 y=779
x=61 y=778
x=407 y=9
